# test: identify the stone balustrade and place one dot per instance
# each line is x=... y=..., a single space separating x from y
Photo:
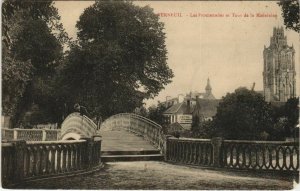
x=245 y=155
x=30 y=134
x=260 y=155
x=138 y=125
x=23 y=161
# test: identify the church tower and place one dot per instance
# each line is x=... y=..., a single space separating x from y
x=208 y=91
x=279 y=68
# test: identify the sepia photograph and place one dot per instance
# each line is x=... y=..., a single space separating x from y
x=150 y=95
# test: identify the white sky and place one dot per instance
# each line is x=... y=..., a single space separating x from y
x=227 y=50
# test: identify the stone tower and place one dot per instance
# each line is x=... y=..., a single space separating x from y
x=279 y=68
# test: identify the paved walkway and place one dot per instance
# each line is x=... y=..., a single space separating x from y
x=122 y=140
x=160 y=175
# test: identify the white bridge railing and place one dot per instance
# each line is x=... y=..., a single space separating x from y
x=139 y=125
x=30 y=134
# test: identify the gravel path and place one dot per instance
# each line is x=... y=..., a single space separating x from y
x=160 y=175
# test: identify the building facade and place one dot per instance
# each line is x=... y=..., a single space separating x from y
x=182 y=109
x=279 y=68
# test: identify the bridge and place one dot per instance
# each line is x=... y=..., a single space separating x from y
x=80 y=148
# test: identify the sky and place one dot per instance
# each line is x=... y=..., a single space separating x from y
x=228 y=50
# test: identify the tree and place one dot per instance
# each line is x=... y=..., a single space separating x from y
x=155 y=113
x=119 y=60
x=15 y=77
x=33 y=38
x=243 y=115
x=290 y=14
x=291 y=108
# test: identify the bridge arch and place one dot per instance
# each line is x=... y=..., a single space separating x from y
x=77 y=126
x=138 y=125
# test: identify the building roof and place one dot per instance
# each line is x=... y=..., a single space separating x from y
x=179 y=108
x=204 y=107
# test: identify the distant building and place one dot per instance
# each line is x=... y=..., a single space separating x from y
x=279 y=68
x=182 y=109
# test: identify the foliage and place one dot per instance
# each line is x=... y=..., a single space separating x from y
x=32 y=37
x=15 y=77
x=243 y=115
x=119 y=60
x=156 y=114
x=290 y=14
x=289 y=111
x=204 y=130
x=278 y=131
x=292 y=111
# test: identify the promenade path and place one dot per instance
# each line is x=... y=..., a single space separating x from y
x=160 y=175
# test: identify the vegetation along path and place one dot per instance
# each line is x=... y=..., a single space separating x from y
x=160 y=175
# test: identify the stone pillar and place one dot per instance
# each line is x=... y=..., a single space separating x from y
x=15 y=133
x=88 y=152
x=97 y=140
x=18 y=160
x=44 y=135
x=165 y=152
x=217 y=143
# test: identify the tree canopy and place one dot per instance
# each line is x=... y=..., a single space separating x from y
x=120 y=58
x=33 y=39
x=243 y=114
x=291 y=14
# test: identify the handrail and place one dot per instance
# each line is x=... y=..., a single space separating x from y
x=235 y=154
x=152 y=132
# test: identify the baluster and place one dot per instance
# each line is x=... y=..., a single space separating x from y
x=260 y=156
x=181 y=151
x=69 y=158
x=58 y=169
x=27 y=162
x=64 y=158
x=34 y=161
x=289 y=167
x=200 y=153
x=197 y=147
x=207 y=152
x=211 y=155
x=184 y=152
x=40 y=160
x=271 y=158
x=284 y=158
x=243 y=157
x=75 y=166
x=195 y=153
x=277 y=158
x=297 y=151
x=264 y=157
x=238 y=156
x=53 y=158
x=79 y=157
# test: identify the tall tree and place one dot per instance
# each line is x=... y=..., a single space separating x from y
x=33 y=38
x=243 y=115
x=120 y=58
x=291 y=14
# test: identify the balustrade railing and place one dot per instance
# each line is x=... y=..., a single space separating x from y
x=30 y=134
x=23 y=160
x=247 y=155
x=260 y=155
x=190 y=151
x=139 y=125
